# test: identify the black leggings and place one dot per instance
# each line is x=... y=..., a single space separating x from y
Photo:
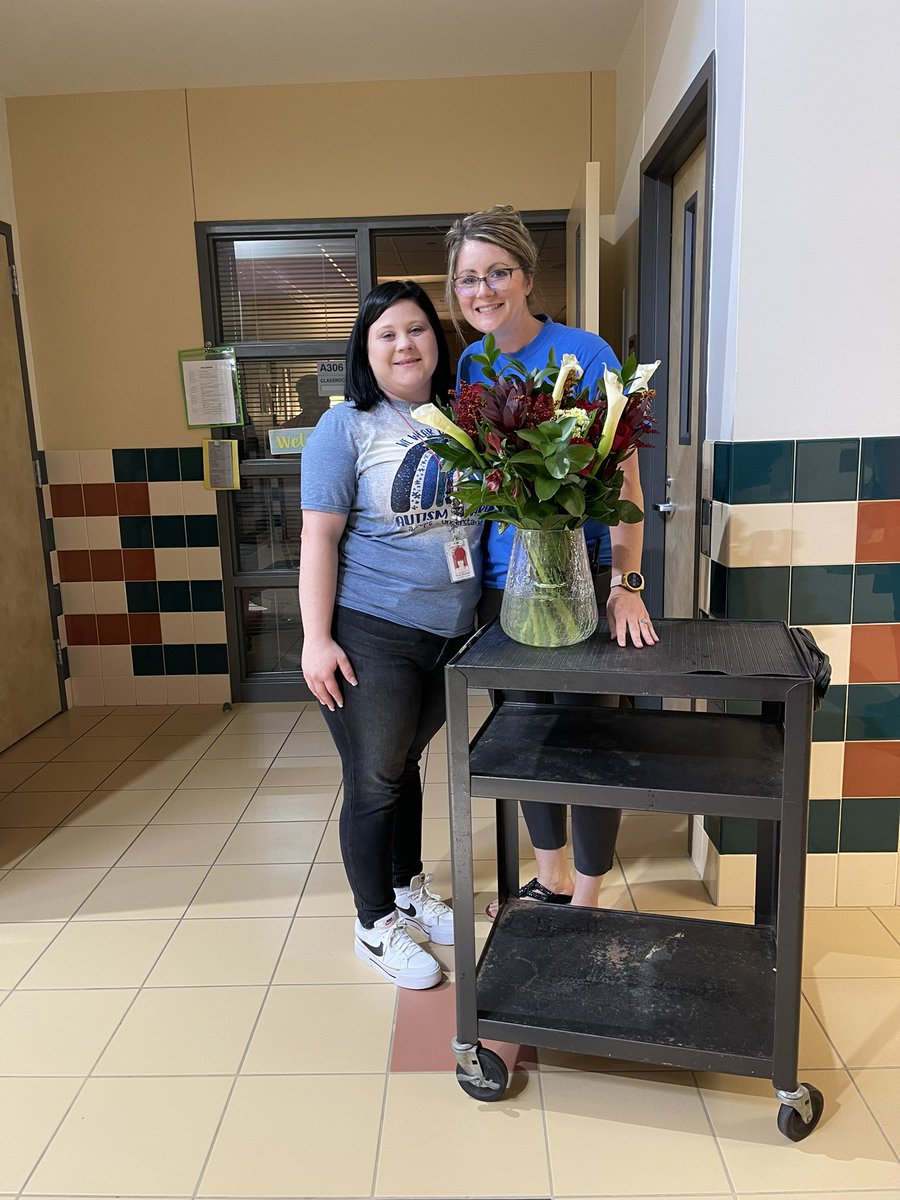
x=594 y=830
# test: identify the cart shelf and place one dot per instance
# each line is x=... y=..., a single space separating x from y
x=631 y=758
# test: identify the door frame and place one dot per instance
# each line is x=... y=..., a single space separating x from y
x=691 y=122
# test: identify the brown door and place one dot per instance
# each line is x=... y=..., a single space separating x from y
x=29 y=679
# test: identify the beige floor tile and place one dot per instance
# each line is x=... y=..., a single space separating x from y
x=847 y=1150
x=249 y=721
x=124 y=806
x=71 y=846
x=327 y=892
x=245 y=745
x=142 y=893
x=100 y=954
x=147 y=776
x=712 y=912
x=71 y=724
x=853 y=1194
x=329 y=850
x=890 y=918
x=177 y=845
x=198 y=806
x=289 y=1037
x=436 y=769
x=125 y=724
x=304 y=743
x=303 y=772
x=99 y=749
x=15 y=844
x=586 y=1114
x=311 y=721
x=58 y=1033
x=290 y=804
x=189 y=746
x=13 y=775
x=288 y=1136
x=227 y=773
x=507 y=1158
x=134 y=1137
x=816 y=1051
x=30 y=1110
x=67 y=777
x=45 y=895
x=273 y=842
x=664 y=883
x=266 y=890
x=850 y=943
x=35 y=749
x=881 y=1091
x=20 y=946
x=183 y=1031
x=861 y=1017
x=320 y=950
x=221 y=953
x=192 y=721
x=38 y=808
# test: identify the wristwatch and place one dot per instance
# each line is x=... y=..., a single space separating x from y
x=631 y=581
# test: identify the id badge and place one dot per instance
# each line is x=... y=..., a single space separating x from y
x=459 y=563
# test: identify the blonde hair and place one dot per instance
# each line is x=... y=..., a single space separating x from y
x=500 y=225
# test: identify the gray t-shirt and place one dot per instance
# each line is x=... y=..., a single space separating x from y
x=376 y=468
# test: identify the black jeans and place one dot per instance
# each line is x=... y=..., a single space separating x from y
x=387 y=721
x=594 y=830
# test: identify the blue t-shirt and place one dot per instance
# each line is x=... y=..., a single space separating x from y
x=594 y=355
x=375 y=467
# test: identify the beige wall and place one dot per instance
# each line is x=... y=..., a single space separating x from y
x=108 y=186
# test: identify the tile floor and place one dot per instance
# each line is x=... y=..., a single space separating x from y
x=181 y=1013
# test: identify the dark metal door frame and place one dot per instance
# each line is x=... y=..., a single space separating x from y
x=691 y=122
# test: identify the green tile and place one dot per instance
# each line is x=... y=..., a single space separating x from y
x=738 y=836
x=826 y=470
x=722 y=471
x=757 y=593
x=190 y=460
x=142 y=597
x=828 y=720
x=147 y=660
x=718 y=589
x=880 y=469
x=180 y=659
x=168 y=532
x=746 y=708
x=163 y=465
x=873 y=712
x=821 y=595
x=824 y=819
x=135 y=532
x=870 y=825
x=712 y=827
x=174 y=595
x=762 y=472
x=206 y=595
x=129 y=466
x=212 y=658
x=876 y=595
x=202 y=530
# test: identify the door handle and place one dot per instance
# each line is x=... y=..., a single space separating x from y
x=667 y=507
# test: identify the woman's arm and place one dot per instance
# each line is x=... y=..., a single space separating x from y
x=625 y=611
x=322 y=656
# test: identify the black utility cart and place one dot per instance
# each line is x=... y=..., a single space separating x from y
x=704 y=995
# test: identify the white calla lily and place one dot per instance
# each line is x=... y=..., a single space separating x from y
x=616 y=401
x=430 y=414
x=642 y=376
x=568 y=366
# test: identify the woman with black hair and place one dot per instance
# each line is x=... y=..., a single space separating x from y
x=389 y=582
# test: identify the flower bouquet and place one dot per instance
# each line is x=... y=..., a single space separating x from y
x=533 y=450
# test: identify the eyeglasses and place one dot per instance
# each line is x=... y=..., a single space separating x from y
x=497 y=280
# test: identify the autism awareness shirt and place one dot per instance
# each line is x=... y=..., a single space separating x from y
x=392 y=564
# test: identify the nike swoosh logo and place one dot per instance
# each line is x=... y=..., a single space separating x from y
x=378 y=950
x=407 y=912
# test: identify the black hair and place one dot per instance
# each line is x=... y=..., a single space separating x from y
x=362 y=387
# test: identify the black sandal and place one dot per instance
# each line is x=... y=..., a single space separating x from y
x=533 y=890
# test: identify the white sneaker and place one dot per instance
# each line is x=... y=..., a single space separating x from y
x=425 y=910
x=389 y=949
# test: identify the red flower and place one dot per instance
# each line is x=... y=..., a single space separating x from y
x=493 y=481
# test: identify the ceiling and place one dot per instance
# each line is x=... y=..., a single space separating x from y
x=52 y=47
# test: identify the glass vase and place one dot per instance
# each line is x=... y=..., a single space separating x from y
x=549 y=598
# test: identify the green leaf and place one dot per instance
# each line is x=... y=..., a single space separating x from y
x=535 y=437
x=629 y=512
x=518 y=366
x=629 y=367
x=534 y=457
x=572 y=499
x=546 y=488
x=557 y=465
x=580 y=456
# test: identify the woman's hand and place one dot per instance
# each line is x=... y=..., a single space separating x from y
x=627 y=614
x=320 y=663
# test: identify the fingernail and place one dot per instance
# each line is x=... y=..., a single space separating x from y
x=354 y=682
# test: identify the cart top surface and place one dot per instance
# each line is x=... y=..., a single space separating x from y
x=729 y=648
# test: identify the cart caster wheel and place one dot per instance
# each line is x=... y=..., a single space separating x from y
x=792 y=1125
x=495 y=1072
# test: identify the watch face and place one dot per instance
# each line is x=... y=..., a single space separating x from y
x=634 y=580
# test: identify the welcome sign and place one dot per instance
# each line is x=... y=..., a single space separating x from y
x=289 y=440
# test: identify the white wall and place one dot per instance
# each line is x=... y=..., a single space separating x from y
x=820 y=273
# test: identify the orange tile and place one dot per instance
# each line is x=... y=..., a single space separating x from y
x=74 y=566
x=81 y=629
x=133 y=499
x=139 y=564
x=66 y=500
x=875 y=654
x=878 y=531
x=106 y=564
x=872 y=769
x=112 y=629
x=100 y=499
x=145 y=628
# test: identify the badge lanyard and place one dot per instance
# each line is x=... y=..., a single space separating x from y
x=459 y=562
